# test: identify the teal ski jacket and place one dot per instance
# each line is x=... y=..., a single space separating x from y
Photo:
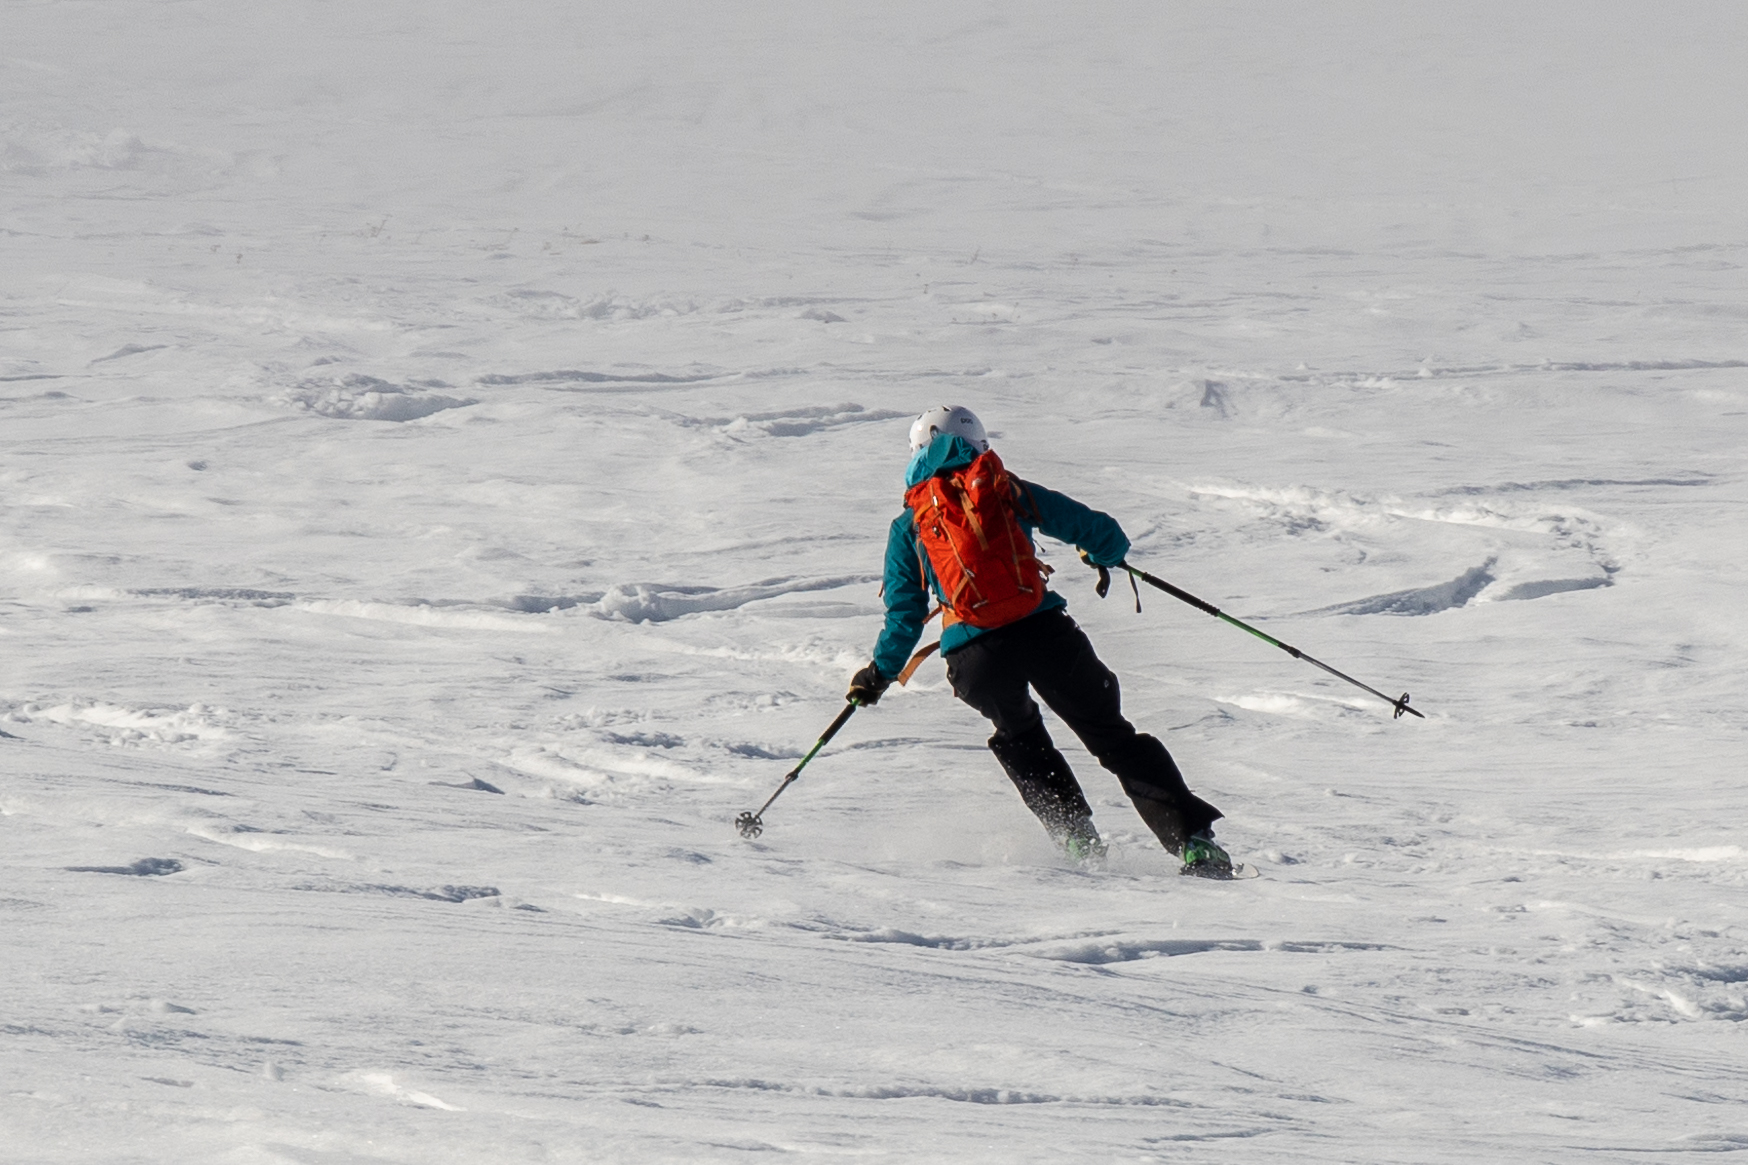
x=907 y=599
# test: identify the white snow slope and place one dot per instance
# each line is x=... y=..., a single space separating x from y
x=445 y=457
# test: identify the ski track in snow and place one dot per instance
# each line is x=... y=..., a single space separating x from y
x=445 y=464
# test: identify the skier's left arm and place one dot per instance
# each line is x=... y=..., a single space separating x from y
x=907 y=599
x=1081 y=526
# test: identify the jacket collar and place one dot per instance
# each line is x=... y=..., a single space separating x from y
x=946 y=451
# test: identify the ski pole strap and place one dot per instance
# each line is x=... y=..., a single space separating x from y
x=1400 y=703
x=1185 y=596
x=1103 y=586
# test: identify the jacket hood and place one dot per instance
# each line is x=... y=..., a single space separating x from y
x=946 y=451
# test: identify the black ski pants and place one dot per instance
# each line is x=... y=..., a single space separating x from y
x=1049 y=654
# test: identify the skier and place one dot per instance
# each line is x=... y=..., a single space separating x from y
x=966 y=533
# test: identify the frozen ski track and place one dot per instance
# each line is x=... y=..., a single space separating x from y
x=567 y=378
x=797 y=422
x=1421 y=600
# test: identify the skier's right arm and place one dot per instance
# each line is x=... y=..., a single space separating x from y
x=1093 y=532
x=907 y=599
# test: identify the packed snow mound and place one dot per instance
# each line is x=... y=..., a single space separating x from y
x=658 y=603
x=534 y=303
x=123 y=726
x=366 y=398
x=40 y=153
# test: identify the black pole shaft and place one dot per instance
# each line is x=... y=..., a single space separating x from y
x=1400 y=704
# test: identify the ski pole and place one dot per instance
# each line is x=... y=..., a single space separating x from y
x=750 y=824
x=1400 y=704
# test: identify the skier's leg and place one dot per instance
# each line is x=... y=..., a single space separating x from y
x=1067 y=674
x=1045 y=781
x=984 y=675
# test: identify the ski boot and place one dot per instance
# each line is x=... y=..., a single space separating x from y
x=1203 y=857
x=1082 y=843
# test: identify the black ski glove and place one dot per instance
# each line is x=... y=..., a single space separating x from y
x=867 y=685
x=1104 y=584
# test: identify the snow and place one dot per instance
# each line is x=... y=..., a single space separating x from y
x=445 y=458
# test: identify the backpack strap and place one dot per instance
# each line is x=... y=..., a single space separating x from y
x=916 y=661
x=922 y=554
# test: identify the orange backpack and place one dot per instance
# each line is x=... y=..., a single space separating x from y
x=982 y=558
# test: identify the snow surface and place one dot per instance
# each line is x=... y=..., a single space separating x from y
x=445 y=456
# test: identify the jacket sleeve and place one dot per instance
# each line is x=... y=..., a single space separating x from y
x=1063 y=518
x=907 y=599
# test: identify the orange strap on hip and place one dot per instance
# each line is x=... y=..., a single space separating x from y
x=916 y=661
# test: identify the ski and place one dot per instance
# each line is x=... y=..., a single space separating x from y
x=1238 y=872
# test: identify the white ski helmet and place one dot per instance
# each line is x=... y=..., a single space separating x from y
x=954 y=419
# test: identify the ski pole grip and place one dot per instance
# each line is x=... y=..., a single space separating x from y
x=1175 y=592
